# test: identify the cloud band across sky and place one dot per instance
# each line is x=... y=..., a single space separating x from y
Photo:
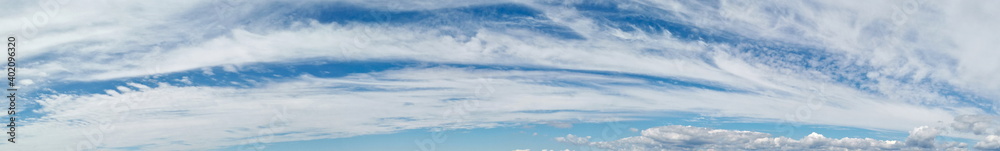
x=389 y=66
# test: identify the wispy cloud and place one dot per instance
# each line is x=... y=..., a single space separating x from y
x=390 y=101
x=875 y=65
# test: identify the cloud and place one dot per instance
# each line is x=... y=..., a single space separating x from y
x=575 y=140
x=833 y=30
x=922 y=137
x=977 y=124
x=844 y=63
x=408 y=98
x=833 y=35
x=676 y=137
x=560 y=124
x=991 y=142
x=297 y=109
x=980 y=125
x=712 y=66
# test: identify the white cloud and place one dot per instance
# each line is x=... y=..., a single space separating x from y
x=832 y=27
x=560 y=124
x=230 y=68
x=27 y=82
x=677 y=137
x=897 y=54
x=922 y=137
x=735 y=73
x=394 y=100
x=575 y=140
x=184 y=80
x=992 y=142
x=905 y=42
x=977 y=124
x=207 y=71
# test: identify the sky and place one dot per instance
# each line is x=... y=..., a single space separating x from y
x=505 y=75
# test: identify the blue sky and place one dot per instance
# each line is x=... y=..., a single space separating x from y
x=506 y=75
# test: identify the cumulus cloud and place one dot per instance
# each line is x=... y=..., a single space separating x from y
x=676 y=137
x=922 y=137
x=977 y=124
x=991 y=142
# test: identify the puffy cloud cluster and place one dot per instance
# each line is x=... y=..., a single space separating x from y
x=977 y=124
x=676 y=137
x=988 y=125
x=922 y=137
x=992 y=142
